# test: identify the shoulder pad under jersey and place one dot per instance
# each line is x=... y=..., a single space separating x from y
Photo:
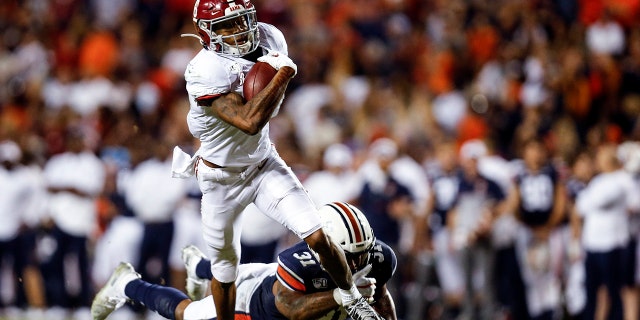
x=210 y=74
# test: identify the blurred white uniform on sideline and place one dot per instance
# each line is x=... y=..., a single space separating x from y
x=119 y=242
x=13 y=189
x=187 y=224
x=84 y=171
x=540 y=262
x=605 y=205
x=151 y=192
x=258 y=229
x=337 y=181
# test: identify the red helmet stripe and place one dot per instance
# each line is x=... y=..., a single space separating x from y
x=357 y=229
x=343 y=218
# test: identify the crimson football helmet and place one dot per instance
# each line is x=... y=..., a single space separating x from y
x=348 y=227
x=226 y=26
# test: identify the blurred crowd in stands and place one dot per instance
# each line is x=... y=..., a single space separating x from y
x=493 y=143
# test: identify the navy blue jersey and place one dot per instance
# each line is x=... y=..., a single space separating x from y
x=537 y=193
x=482 y=185
x=374 y=205
x=300 y=270
x=574 y=186
x=445 y=189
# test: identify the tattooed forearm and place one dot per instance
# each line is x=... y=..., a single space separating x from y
x=227 y=111
x=296 y=305
x=253 y=115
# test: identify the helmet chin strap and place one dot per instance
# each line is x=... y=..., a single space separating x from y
x=190 y=35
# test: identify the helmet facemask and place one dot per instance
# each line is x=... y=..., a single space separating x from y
x=236 y=35
x=358 y=260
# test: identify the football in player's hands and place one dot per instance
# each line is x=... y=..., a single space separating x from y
x=257 y=78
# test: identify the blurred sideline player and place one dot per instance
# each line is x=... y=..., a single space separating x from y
x=444 y=180
x=538 y=200
x=337 y=181
x=479 y=201
x=628 y=153
x=604 y=207
x=296 y=287
x=261 y=236
x=236 y=163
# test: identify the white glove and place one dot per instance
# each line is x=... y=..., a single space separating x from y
x=278 y=60
x=366 y=286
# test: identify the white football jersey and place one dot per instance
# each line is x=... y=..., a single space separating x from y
x=210 y=74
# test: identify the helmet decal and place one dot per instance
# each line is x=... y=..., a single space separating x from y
x=351 y=222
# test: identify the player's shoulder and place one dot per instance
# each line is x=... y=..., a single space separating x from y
x=292 y=256
x=384 y=254
x=205 y=65
x=272 y=38
x=211 y=73
x=296 y=266
x=383 y=262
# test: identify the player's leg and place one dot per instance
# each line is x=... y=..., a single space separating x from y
x=283 y=198
x=250 y=277
x=450 y=273
x=223 y=199
x=125 y=285
x=221 y=233
x=613 y=281
x=295 y=210
x=331 y=257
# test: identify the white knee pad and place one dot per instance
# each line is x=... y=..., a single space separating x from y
x=201 y=309
x=224 y=270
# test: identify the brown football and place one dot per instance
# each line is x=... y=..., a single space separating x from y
x=257 y=78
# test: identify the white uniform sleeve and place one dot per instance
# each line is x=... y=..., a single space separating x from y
x=584 y=201
x=206 y=77
x=272 y=38
x=632 y=190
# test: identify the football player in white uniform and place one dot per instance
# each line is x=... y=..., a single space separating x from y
x=236 y=163
x=296 y=287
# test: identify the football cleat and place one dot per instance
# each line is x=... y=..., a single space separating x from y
x=112 y=296
x=361 y=310
x=196 y=287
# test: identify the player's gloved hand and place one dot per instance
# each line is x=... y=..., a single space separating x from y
x=366 y=286
x=278 y=60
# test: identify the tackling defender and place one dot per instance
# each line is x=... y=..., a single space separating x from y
x=296 y=287
x=236 y=163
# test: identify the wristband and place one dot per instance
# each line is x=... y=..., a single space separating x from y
x=337 y=296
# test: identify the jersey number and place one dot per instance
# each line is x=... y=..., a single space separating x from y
x=306 y=259
x=536 y=193
x=377 y=253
